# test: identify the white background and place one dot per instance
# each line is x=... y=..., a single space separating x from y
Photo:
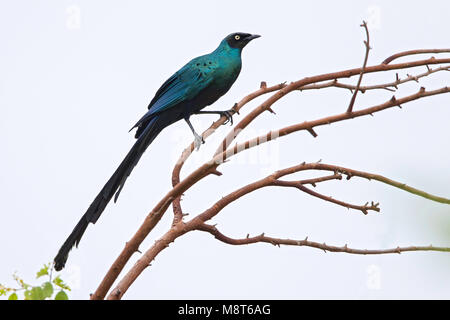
x=76 y=75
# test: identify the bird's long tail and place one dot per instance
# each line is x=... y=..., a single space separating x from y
x=113 y=186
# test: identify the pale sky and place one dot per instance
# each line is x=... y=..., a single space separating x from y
x=76 y=75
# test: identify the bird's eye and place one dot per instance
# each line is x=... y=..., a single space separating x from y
x=237 y=37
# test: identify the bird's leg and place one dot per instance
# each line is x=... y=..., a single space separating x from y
x=227 y=113
x=198 y=139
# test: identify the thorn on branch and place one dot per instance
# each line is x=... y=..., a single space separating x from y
x=263 y=85
x=313 y=133
x=216 y=172
x=270 y=110
x=235 y=108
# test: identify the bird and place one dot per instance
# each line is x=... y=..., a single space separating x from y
x=198 y=84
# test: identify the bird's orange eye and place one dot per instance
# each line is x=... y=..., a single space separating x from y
x=237 y=37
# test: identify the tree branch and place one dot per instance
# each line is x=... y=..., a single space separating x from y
x=390 y=86
x=266 y=105
x=297 y=184
x=307 y=243
x=180 y=186
x=366 y=57
x=412 y=52
x=310 y=125
x=178 y=212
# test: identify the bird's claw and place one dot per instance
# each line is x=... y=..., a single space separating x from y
x=229 y=115
x=198 y=141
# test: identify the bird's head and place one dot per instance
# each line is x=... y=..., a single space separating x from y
x=239 y=39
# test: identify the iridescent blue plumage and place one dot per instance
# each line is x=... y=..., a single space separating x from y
x=198 y=84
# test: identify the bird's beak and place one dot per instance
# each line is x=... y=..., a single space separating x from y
x=252 y=36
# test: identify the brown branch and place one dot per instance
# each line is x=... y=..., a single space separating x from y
x=266 y=105
x=309 y=125
x=177 y=210
x=197 y=222
x=211 y=167
x=307 y=243
x=386 y=86
x=299 y=185
x=272 y=179
x=412 y=52
x=314 y=181
x=146 y=259
x=366 y=57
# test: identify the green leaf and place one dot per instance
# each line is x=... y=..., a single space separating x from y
x=27 y=294
x=3 y=290
x=58 y=281
x=47 y=289
x=12 y=296
x=61 y=296
x=36 y=293
x=43 y=271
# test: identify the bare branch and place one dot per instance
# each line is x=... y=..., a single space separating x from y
x=314 y=181
x=390 y=86
x=274 y=180
x=307 y=243
x=366 y=57
x=210 y=168
x=178 y=212
x=412 y=52
x=309 y=125
x=315 y=79
x=296 y=184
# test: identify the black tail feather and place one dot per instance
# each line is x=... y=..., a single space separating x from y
x=113 y=186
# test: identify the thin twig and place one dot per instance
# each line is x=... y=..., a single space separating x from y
x=264 y=89
x=366 y=57
x=412 y=52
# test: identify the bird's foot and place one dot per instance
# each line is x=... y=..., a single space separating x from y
x=198 y=141
x=229 y=115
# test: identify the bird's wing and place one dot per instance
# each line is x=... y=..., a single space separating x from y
x=184 y=85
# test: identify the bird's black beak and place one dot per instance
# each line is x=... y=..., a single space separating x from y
x=251 y=37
